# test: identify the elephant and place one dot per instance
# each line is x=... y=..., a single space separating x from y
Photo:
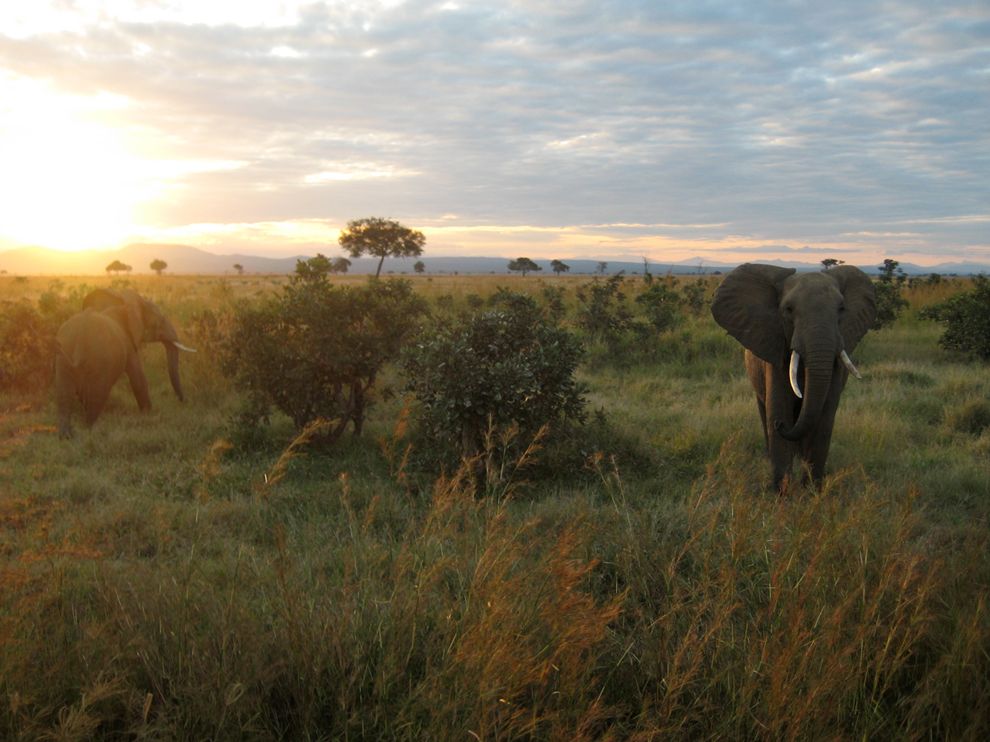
x=798 y=331
x=95 y=346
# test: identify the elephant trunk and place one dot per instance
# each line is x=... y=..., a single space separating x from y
x=818 y=367
x=169 y=340
x=172 y=354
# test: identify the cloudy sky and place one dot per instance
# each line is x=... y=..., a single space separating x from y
x=720 y=130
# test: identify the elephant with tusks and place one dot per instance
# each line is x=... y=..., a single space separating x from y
x=99 y=344
x=798 y=331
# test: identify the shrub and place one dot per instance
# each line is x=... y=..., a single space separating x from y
x=890 y=303
x=27 y=337
x=315 y=350
x=967 y=320
x=504 y=368
x=662 y=306
x=603 y=313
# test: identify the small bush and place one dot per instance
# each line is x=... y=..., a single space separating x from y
x=603 y=314
x=508 y=366
x=315 y=350
x=661 y=304
x=27 y=338
x=890 y=303
x=967 y=320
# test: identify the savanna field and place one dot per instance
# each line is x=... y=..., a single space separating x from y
x=210 y=570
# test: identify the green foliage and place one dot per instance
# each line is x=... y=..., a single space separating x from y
x=158 y=265
x=966 y=318
x=602 y=312
x=27 y=346
x=314 y=269
x=661 y=304
x=559 y=266
x=315 y=350
x=487 y=372
x=605 y=315
x=890 y=302
x=27 y=337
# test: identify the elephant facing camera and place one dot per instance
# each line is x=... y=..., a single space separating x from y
x=798 y=331
x=96 y=346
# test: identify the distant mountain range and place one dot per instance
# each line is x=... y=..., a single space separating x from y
x=184 y=259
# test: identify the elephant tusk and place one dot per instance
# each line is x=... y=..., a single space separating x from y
x=186 y=348
x=795 y=360
x=849 y=365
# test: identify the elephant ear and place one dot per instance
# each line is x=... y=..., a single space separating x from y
x=861 y=303
x=100 y=299
x=747 y=305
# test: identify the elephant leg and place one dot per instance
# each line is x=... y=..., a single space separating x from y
x=94 y=400
x=139 y=383
x=65 y=395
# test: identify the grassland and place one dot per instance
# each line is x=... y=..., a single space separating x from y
x=159 y=584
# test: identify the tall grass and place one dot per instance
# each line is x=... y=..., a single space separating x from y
x=154 y=584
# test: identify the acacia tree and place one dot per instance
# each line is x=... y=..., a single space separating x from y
x=340 y=265
x=118 y=267
x=158 y=265
x=420 y=266
x=239 y=268
x=381 y=238
x=829 y=262
x=523 y=265
x=559 y=266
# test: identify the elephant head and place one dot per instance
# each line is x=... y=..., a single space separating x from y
x=807 y=323
x=144 y=323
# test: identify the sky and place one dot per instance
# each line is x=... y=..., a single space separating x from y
x=718 y=130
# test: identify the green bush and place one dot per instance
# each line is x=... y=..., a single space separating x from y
x=888 y=287
x=967 y=320
x=661 y=305
x=602 y=313
x=508 y=368
x=315 y=350
x=27 y=337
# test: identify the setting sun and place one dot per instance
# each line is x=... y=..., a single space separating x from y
x=68 y=181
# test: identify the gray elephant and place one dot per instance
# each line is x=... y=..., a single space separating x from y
x=102 y=342
x=798 y=331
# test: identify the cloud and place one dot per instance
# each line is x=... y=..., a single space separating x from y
x=834 y=124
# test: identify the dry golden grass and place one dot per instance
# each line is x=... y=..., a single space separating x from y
x=153 y=585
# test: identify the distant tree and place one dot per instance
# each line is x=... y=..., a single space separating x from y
x=601 y=268
x=381 y=238
x=158 y=266
x=118 y=267
x=559 y=266
x=420 y=266
x=239 y=268
x=830 y=262
x=523 y=265
x=314 y=269
x=340 y=265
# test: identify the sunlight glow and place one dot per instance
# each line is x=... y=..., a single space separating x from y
x=67 y=180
